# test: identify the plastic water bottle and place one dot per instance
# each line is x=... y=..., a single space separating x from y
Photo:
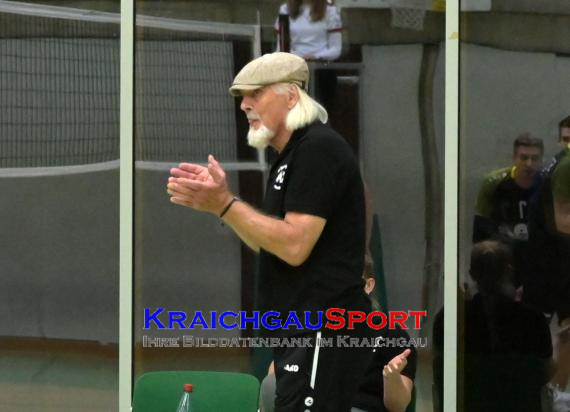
x=184 y=404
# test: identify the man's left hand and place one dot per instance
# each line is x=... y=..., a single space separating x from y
x=199 y=187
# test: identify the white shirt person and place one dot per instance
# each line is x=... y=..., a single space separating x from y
x=314 y=39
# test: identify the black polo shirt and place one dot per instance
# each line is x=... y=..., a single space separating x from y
x=316 y=174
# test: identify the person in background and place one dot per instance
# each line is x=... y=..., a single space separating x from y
x=564 y=132
x=505 y=345
x=502 y=205
x=315 y=33
x=315 y=29
x=388 y=382
x=547 y=272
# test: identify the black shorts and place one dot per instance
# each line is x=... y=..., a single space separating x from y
x=310 y=379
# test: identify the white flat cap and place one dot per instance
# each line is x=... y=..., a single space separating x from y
x=271 y=68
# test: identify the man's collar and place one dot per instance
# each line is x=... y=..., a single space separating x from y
x=295 y=136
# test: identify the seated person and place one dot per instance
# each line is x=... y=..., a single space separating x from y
x=389 y=380
x=504 y=340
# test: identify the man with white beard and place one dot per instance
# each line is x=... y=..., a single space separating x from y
x=309 y=233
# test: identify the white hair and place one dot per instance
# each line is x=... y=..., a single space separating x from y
x=260 y=138
x=305 y=111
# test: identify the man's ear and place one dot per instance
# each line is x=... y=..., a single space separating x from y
x=370 y=284
x=292 y=96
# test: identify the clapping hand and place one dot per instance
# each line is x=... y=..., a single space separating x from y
x=203 y=188
x=396 y=365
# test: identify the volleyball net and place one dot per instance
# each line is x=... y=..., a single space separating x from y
x=59 y=90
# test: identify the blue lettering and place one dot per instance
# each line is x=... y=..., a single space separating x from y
x=198 y=319
x=270 y=324
x=292 y=319
x=172 y=319
x=214 y=320
x=308 y=323
x=243 y=319
x=223 y=323
x=153 y=317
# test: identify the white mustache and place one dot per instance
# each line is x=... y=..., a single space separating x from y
x=253 y=117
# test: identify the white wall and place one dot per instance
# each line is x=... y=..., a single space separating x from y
x=392 y=162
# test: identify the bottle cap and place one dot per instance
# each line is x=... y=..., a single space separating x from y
x=187 y=387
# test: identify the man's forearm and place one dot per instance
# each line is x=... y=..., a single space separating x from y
x=260 y=231
x=397 y=393
x=243 y=235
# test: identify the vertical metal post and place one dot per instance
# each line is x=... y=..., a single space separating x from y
x=451 y=204
x=126 y=205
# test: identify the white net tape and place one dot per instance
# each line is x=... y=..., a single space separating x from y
x=59 y=90
x=408 y=18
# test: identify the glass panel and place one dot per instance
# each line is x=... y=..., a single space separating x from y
x=515 y=285
x=402 y=154
x=186 y=58
x=59 y=111
x=384 y=95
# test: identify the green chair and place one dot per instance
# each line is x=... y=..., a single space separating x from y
x=213 y=391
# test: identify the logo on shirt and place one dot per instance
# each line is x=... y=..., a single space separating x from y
x=278 y=184
x=520 y=231
x=291 y=368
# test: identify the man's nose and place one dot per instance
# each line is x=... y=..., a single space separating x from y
x=245 y=104
x=532 y=163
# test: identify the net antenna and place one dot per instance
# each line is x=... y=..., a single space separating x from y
x=59 y=78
